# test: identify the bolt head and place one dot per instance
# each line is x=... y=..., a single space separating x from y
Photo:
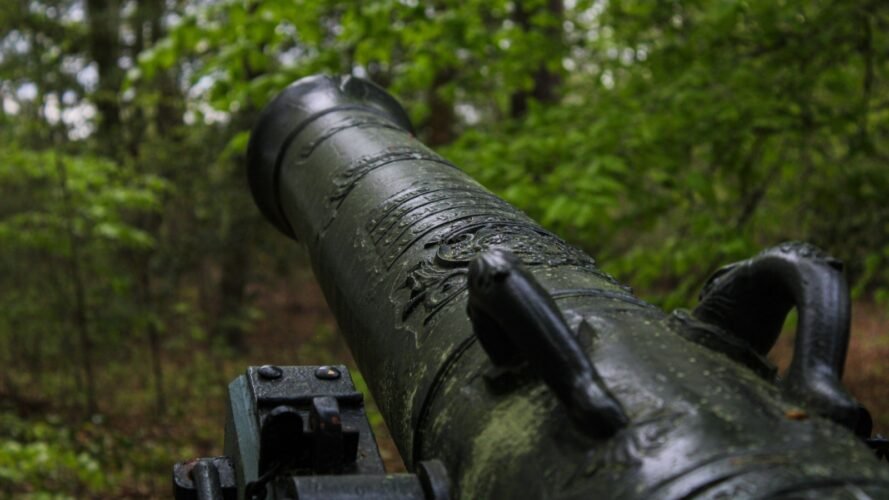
x=327 y=373
x=270 y=372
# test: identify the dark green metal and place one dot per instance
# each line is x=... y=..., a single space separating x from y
x=563 y=384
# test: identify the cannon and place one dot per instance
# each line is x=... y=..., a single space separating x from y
x=505 y=363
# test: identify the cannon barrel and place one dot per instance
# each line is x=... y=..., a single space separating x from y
x=492 y=345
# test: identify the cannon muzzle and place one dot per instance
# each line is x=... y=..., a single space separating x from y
x=491 y=344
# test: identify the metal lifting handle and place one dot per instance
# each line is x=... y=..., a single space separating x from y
x=516 y=321
x=751 y=299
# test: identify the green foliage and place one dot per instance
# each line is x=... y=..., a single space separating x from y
x=373 y=413
x=44 y=459
x=91 y=194
x=687 y=134
x=243 y=54
x=666 y=138
x=709 y=130
x=66 y=211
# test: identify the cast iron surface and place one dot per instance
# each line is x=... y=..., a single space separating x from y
x=689 y=406
x=205 y=479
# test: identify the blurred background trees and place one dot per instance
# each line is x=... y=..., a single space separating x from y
x=137 y=278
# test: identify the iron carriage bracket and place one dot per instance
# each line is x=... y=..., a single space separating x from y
x=301 y=432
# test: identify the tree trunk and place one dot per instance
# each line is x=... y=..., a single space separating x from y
x=233 y=283
x=150 y=126
x=104 y=48
x=81 y=313
x=440 y=125
x=546 y=82
x=239 y=236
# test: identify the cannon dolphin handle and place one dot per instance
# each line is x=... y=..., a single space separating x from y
x=559 y=383
x=516 y=322
x=751 y=299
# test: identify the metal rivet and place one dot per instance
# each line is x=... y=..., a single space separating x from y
x=270 y=372
x=327 y=373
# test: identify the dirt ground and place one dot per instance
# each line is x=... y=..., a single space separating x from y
x=867 y=367
x=867 y=363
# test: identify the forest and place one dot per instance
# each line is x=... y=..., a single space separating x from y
x=137 y=277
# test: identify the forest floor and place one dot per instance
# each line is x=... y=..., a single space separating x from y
x=866 y=374
x=135 y=445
